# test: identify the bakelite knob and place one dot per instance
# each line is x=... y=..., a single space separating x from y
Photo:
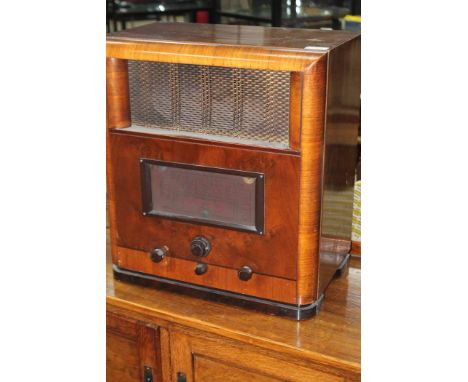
x=200 y=246
x=158 y=254
x=201 y=269
x=245 y=273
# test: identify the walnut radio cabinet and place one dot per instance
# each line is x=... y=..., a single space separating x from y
x=231 y=157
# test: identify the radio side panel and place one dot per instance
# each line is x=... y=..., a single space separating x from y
x=341 y=137
x=341 y=134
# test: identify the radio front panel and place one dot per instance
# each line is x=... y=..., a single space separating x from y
x=245 y=203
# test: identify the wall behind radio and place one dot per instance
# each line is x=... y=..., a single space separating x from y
x=327 y=14
x=117 y=26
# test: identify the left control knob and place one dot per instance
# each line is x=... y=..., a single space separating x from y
x=158 y=254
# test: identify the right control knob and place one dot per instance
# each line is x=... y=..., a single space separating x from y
x=245 y=273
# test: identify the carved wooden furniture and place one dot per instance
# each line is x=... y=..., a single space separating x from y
x=228 y=147
x=160 y=336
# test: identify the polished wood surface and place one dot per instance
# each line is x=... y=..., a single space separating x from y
x=131 y=346
x=208 y=370
x=328 y=343
x=340 y=154
x=341 y=139
x=243 y=57
x=294 y=50
x=295 y=111
x=118 y=102
x=122 y=352
x=117 y=116
x=313 y=126
x=238 y=360
x=236 y=35
x=230 y=248
x=332 y=244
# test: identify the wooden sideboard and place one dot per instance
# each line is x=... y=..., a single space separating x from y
x=157 y=335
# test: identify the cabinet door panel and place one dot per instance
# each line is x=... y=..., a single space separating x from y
x=203 y=359
x=130 y=347
x=123 y=363
x=207 y=370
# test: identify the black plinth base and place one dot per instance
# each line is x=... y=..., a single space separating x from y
x=297 y=312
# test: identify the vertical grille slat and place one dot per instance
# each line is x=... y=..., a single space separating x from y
x=240 y=104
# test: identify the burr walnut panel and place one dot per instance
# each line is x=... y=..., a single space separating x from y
x=230 y=248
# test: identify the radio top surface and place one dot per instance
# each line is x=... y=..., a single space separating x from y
x=237 y=35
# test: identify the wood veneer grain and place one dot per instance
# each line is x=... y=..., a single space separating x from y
x=295 y=111
x=131 y=346
x=271 y=288
x=281 y=39
x=263 y=364
x=231 y=57
x=110 y=195
x=118 y=101
x=312 y=141
x=230 y=248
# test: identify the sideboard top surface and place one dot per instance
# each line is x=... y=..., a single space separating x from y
x=236 y=35
x=332 y=337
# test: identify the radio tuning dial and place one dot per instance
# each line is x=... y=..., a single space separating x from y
x=200 y=246
x=158 y=254
x=245 y=273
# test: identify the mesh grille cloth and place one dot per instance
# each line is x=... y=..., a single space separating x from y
x=238 y=103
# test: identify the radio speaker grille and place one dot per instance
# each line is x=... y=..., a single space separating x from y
x=227 y=103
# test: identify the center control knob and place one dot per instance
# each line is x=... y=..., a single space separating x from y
x=201 y=269
x=158 y=254
x=200 y=246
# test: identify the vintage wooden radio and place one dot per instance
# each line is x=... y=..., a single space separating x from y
x=231 y=156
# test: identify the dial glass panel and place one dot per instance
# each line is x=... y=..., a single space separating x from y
x=203 y=195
